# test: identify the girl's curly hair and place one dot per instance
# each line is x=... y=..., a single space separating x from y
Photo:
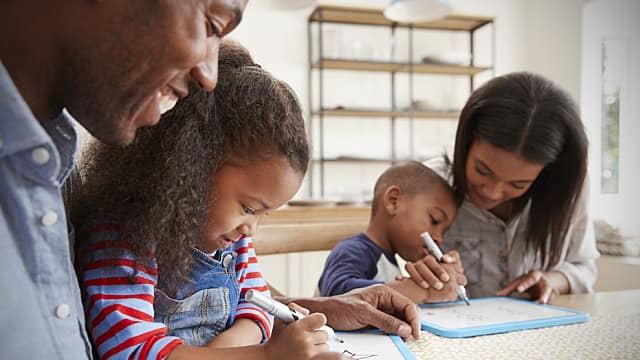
x=160 y=186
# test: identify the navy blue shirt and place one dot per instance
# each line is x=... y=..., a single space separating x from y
x=356 y=262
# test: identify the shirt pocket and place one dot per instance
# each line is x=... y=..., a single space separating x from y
x=469 y=248
x=196 y=319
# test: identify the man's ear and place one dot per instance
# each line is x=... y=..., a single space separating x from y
x=391 y=199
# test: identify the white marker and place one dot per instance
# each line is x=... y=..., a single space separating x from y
x=282 y=312
x=435 y=251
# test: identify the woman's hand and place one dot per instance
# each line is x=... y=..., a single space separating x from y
x=543 y=287
x=429 y=273
x=299 y=340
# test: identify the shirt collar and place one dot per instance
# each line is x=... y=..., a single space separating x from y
x=487 y=215
x=20 y=130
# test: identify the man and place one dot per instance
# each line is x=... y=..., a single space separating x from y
x=115 y=66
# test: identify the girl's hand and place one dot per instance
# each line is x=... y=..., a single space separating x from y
x=243 y=332
x=299 y=340
x=331 y=356
x=538 y=284
x=428 y=273
x=278 y=324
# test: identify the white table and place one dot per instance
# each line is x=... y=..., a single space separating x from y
x=612 y=333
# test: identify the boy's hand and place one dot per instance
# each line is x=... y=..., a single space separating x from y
x=428 y=273
x=299 y=340
x=421 y=295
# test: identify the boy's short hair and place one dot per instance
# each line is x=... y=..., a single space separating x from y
x=412 y=178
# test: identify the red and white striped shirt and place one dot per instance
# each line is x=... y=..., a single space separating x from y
x=119 y=294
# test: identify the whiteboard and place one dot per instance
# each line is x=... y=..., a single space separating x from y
x=493 y=315
x=371 y=345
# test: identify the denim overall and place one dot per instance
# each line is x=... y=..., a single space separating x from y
x=211 y=304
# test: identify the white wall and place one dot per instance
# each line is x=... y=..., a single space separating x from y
x=542 y=36
x=613 y=19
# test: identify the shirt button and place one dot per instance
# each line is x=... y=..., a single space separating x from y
x=227 y=260
x=49 y=218
x=40 y=155
x=63 y=311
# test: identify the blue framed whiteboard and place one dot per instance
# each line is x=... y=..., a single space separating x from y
x=375 y=344
x=493 y=315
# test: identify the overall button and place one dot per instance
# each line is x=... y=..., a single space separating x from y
x=227 y=260
x=63 y=311
x=40 y=155
x=49 y=218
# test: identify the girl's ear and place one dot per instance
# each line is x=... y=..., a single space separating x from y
x=391 y=199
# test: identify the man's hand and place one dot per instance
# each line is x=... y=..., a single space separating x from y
x=377 y=305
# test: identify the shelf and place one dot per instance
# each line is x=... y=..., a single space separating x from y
x=355 y=15
x=402 y=105
x=347 y=159
x=418 y=68
x=368 y=113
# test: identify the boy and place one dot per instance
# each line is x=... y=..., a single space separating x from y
x=409 y=199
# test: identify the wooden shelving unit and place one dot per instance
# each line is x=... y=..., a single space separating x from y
x=418 y=68
x=364 y=16
x=374 y=17
x=369 y=113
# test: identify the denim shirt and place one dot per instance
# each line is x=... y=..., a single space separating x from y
x=206 y=305
x=40 y=310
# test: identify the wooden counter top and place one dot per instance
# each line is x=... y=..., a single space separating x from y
x=301 y=228
x=306 y=214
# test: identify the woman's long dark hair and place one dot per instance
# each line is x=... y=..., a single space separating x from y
x=160 y=185
x=529 y=115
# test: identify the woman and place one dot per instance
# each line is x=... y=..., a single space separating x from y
x=519 y=175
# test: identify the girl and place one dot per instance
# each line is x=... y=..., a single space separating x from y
x=519 y=173
x=166 y=254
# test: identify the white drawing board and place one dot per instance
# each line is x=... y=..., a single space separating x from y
x=371 y=345
x=493 y=315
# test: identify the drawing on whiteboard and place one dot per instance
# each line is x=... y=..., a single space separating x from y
x=358 y=356
x=367 y=346
x=462 y=314
x=488 y=312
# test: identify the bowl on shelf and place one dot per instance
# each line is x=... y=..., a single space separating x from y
x=350 y=202
x=315 y=202
x=455 y=58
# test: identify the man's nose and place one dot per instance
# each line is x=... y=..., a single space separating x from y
x=205 y=73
